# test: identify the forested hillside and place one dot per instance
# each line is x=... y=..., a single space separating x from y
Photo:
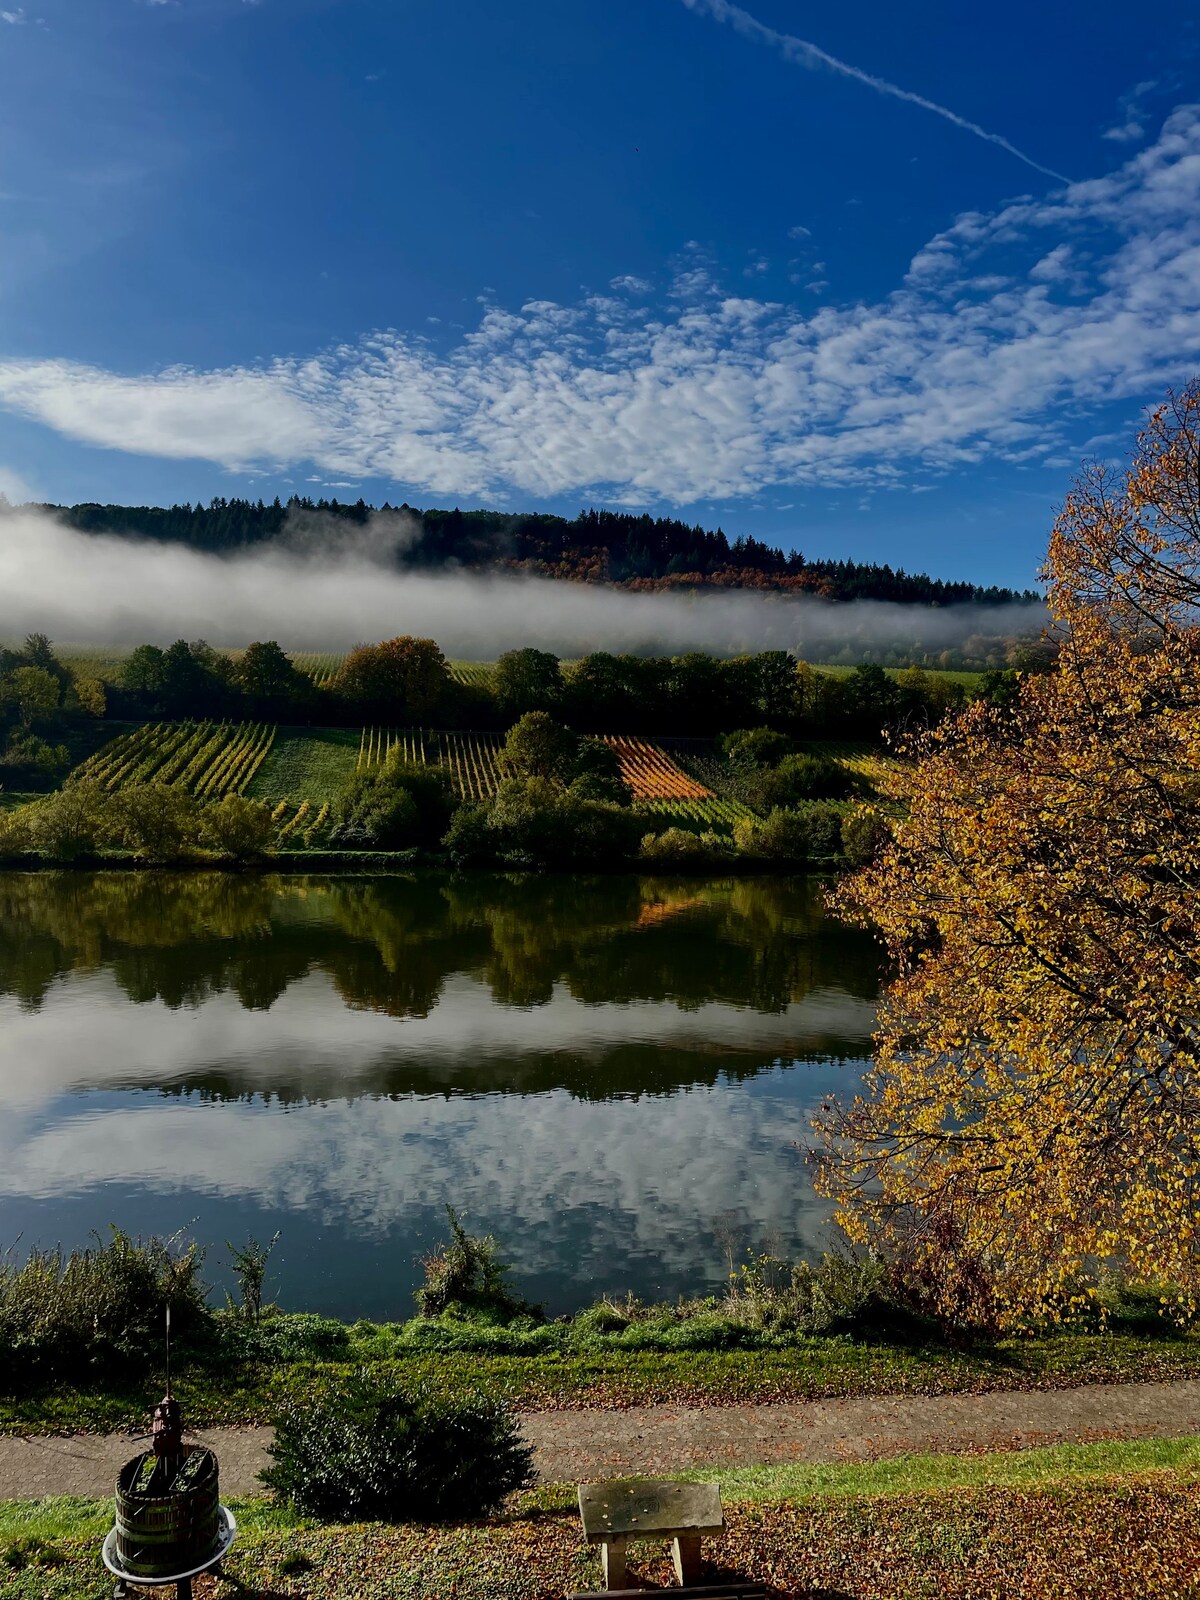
x=636 y=552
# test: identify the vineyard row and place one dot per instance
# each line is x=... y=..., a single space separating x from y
x=209 y=759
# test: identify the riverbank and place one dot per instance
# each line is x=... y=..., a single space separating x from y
x=1095 y=1522
x=217 y=1387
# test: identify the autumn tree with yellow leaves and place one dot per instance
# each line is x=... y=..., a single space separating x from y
x=1032 y=1118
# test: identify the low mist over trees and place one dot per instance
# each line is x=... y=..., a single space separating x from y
x=636 y=551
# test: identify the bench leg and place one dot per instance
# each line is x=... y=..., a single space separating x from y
x=686 y=1550
x=612 y=1562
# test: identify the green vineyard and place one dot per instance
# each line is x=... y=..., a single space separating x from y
x=699 y=816
x=478 y=673
x=209 y=759
x=299 y=772
x=322 y=667
x=319 y=665
x=472 y=759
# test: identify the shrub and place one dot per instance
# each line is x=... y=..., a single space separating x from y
x=249 y=1265
x=282 y=1336
x=158 y=821
x=71 y=822
x=536 y=822
x=839 y=1293
x=238 y=828
x=677 y=847
x=97 y=1309
x=934 y=1271
x=31 y=759
x=807 y=833
x=465 y=1275
x=469 y=841
x=539 y=747
x=397 y=806
x=760 y=747
x=366 y=1449
x=807 y=777
x=864 y=833
x=15 y=838
x=373 y=810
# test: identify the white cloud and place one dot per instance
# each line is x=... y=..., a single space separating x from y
x=15 y=18
x=1132 y=125
x=1125 y=132
x=632 y=284
x=356 y=1158
x=1007 y=328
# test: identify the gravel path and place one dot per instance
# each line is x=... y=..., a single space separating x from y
x=577 y=1445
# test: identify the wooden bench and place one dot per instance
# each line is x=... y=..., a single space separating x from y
x=637 y=1508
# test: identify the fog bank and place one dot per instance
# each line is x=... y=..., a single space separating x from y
x=316 y=593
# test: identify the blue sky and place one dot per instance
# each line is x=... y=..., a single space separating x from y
x=865 y=280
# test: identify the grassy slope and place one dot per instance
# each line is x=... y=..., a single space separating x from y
x=306 y=764
x=1101 y=1521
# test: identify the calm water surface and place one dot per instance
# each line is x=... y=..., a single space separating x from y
x=609 y=1074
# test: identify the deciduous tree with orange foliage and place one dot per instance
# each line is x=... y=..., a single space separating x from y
x=1032 y=1117
x=402 y=677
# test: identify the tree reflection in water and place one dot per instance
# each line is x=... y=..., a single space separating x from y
x=507 y=1000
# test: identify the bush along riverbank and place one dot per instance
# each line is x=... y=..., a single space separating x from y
x=82 y=1336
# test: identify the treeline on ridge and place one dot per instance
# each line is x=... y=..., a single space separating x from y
x=597 y=546
x=408 y=681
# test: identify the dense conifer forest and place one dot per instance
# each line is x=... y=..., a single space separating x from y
x=620 y=548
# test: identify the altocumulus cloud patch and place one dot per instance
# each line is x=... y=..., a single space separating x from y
x=1004 y=323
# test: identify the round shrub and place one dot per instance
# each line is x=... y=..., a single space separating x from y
x=807 y=833
x=680 y=848
x=806 y=777
x=761 y=747
x=238 y=828
x=367 y=1450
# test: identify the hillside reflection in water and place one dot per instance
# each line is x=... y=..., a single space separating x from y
x=604 y=1072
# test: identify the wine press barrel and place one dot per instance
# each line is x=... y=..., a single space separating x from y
x=163 y=1526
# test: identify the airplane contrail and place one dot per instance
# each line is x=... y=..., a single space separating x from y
x=809 y=55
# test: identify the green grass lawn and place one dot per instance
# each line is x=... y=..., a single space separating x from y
x=1099 y=1521
x=306 y=764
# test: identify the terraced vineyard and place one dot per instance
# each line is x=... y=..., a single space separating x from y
x=472 y=759
x=652 y=774
x=376 y=744
x=299 y=772
x=320 y=665
x=477 y=673
x=210 y=759
x=698 y=816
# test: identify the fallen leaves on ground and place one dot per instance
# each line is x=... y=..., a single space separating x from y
x=1132 y=1536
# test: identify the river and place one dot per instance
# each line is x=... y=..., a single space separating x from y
x=612 y=1075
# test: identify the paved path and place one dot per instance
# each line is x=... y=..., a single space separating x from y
x=576 y=1445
